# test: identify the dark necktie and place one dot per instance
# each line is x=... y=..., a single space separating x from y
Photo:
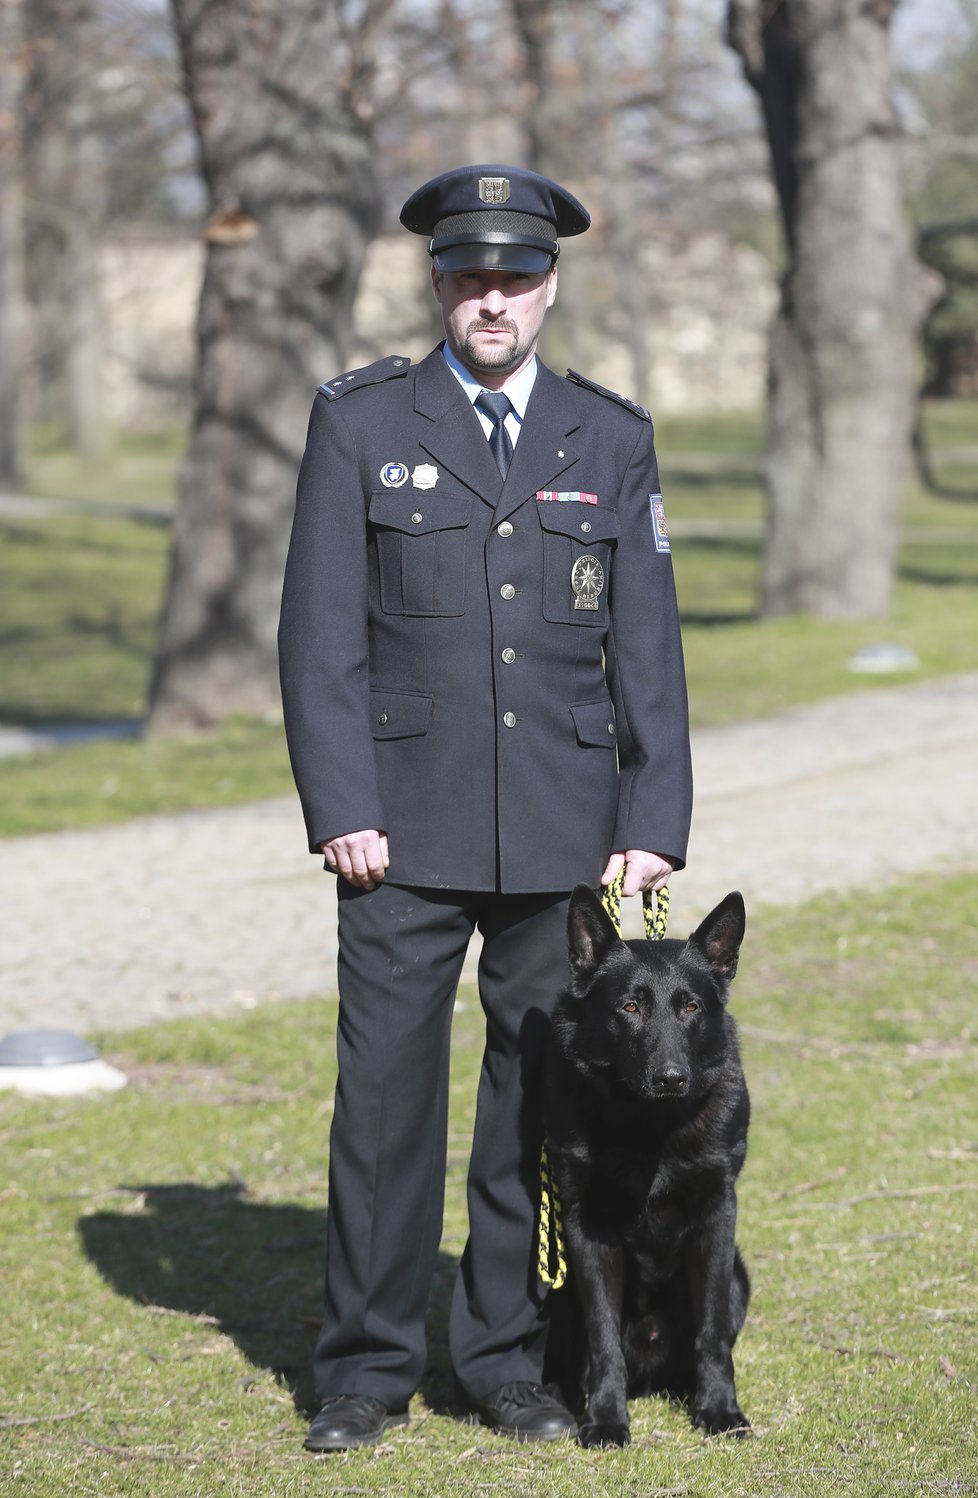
x=498 y=406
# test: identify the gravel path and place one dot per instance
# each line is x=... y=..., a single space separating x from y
x=210 y=912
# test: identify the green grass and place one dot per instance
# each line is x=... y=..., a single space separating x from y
x=79 y=606
x=88 y=785
x=80 y=596
x=138 y=468
x=163 y=1248
x=740 y=666
x=712 y=467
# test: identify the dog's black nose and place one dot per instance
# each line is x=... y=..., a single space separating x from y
x=671 y=1079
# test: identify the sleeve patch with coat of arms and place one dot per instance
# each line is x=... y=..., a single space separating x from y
x=660 y=532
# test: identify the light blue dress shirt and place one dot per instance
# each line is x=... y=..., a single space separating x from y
x=518 y=391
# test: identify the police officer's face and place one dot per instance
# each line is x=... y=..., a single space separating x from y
x=493 y=317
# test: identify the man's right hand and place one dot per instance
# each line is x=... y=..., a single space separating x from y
x=361 y=857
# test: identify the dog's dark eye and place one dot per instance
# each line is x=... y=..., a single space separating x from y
x=690 y=1006
x=631 y=1007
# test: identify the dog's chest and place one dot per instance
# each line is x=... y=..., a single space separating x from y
x=652 y=1197
x=624 y=1187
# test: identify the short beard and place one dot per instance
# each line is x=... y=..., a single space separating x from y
x=496 y=357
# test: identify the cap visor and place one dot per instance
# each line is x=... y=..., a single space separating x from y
x=520 y=257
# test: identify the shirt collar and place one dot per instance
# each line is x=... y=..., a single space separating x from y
x=518 y=390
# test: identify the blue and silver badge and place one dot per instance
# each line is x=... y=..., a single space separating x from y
x=393 y=475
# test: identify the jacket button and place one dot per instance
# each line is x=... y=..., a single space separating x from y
x=611 y=727
x=509 y=655
x=417 y=517
x=507 y=590
x=383 y=718
x=504 y=529
x=585 y=526
x=509 y=719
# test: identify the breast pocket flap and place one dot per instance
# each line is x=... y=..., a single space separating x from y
x=419 y=514
x=585 y=523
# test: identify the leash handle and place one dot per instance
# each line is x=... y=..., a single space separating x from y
x=655 y=907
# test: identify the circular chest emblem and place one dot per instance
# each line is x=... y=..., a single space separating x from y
x=587 y=581
x=393 y=475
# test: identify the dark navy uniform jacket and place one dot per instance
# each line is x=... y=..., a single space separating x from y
x=439 y=683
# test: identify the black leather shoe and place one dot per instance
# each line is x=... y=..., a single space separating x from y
x=528 y=1412
x=347 y=1420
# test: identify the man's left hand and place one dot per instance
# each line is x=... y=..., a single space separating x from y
x=642 y=870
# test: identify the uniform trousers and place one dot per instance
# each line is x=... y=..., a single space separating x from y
x=400 y=958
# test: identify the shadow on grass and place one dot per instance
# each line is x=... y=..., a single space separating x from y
x=253 y=1269
x=932 y=578
x=68 y=727
x=713 y=621
x=703 y=476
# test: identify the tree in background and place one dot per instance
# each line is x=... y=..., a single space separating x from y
x=100 y=114
x=275 y=88
x=638 y=108
x=65 y=167
x=289 y=104
x=842 y=355
x=11 y=240
x=943 y=197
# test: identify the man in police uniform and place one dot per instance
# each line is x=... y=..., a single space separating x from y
x=485 y=704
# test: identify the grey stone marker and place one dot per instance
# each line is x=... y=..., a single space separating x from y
x=883 y=657
x=54 y=1063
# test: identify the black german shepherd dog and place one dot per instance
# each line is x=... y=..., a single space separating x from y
x=646 y=1119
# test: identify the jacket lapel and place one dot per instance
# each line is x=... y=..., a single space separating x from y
x=454 y=437
x=550 y=441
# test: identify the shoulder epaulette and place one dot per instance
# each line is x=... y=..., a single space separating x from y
x=611 y=395
x=371 y=374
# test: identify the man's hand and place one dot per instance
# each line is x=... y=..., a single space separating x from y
x=642 y=870
x=361 y=857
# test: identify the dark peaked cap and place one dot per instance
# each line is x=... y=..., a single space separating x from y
x=493 y=218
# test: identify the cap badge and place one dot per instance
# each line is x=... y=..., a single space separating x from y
x=393 y=475
x=587 y=581
x=494 y=189
x=425 y=476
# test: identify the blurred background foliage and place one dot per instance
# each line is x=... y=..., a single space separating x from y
x=110 y=208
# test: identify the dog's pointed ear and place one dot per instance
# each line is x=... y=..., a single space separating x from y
x=590 y=934
x=720 y=935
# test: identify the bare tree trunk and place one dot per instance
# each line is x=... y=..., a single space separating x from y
x=287 y=165
x=11 y=241
x=549 y=100
x=65 y=167
x=534 y=21
x=83 y=361
x=842 y=353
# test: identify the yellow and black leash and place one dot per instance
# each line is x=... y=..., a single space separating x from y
x=552 y=1261
x=655 y=907
x=552 y=1255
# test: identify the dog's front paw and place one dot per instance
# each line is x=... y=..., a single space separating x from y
x=722 y=1422
x=610 y=1433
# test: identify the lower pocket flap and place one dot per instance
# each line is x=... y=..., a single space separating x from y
x=595 y=723
x=399 y=715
